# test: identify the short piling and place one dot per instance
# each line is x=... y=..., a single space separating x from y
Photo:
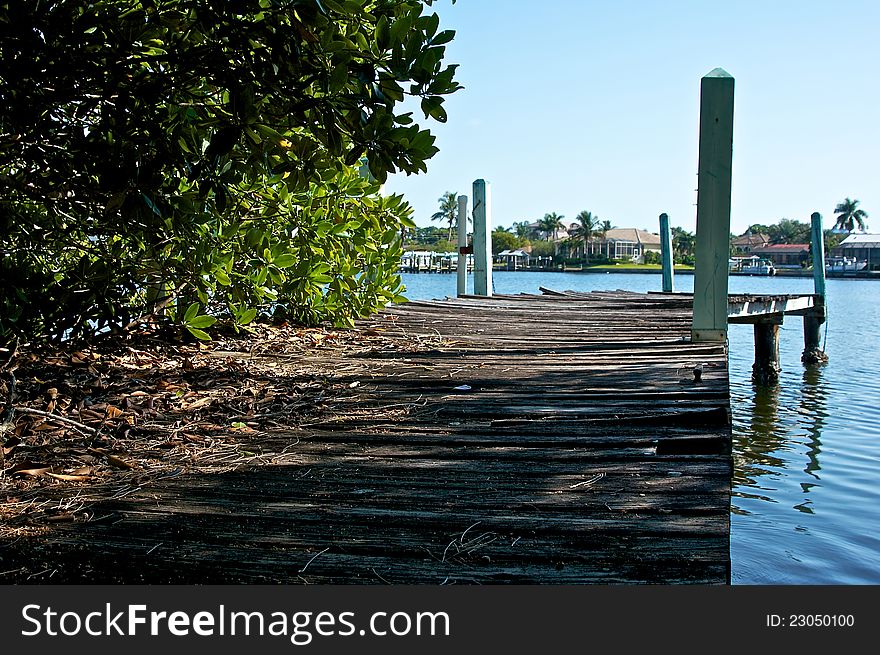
x=463 y=250
x=666 y=254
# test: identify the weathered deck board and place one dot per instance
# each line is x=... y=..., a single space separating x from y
x=583 y=452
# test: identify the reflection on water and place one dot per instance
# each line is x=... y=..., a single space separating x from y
x=758 y=439
x=806 y=498
x=805 y=501
x=762 y=437
x=814 y=409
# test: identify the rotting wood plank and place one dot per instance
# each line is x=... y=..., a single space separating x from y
x=583 y=452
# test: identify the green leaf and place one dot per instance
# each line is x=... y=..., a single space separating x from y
x=202 y=321
x=191 y=312
x=432 y=106
x=432 y=23
x=246 y=317
x=199 y=334
x=285 y=261
x=222 y=277
x=444 y=37
x=338 y=78
x=382 y=36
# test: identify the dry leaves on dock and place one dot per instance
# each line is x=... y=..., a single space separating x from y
x=109 y=418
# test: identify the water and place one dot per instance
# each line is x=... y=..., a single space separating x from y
x=806 y=487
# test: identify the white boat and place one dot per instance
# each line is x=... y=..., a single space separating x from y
x=844 y=265
x=753 y=265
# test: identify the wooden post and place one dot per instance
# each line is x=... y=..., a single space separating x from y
x=666 y=254
x=462 y=245
x=713 y=207
x=813 y=353
x=818 y=246
x=813 y=321
x=766 y=367
x=482 y=213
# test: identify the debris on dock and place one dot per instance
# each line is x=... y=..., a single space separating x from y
x=524 y=439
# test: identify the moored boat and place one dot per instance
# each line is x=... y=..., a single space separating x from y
x=753 y=265
x=844 y=265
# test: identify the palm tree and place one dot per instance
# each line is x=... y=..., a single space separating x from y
x=849 y=216
x=522 y=230
x=603 y=228
x=683 y=243
x=448 y=210
x=587 y=224
x=550 y=225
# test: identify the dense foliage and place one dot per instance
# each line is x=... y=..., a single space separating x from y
x=785 y=231
x=188 y=159
x=503 y=239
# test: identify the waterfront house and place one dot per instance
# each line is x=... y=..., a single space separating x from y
x=784 y=255
x=743 y=245
x=625 y=243
x=861 y=247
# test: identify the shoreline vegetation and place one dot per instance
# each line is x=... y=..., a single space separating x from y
x=681 y=270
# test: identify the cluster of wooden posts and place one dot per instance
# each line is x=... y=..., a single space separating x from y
x=713 y=308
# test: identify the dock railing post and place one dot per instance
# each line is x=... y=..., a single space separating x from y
x=482 y=213
x=713 y=207
x=813 y=320
x=818 y=247
x=462 y=246
x=666 y=254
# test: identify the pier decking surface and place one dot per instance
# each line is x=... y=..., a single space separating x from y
x=531 y=439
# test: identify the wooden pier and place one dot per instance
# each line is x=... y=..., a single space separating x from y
x=529 y=439
x=564 y=438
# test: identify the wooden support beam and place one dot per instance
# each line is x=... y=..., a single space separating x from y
x=666 y=254
x=766 y=368
x=713 y=207
x=482 y=213
x=813 y=353
x=462 y=246
x=758 y=309
x=813 y=321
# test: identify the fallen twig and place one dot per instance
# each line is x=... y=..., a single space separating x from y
x=320 y=552
x=59 y=419
x=589 y=482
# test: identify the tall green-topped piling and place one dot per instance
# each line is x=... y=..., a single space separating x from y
x=482 y=213
x=813 y=320
x=713 y=207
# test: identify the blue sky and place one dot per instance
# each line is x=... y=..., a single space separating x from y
x=573 y=105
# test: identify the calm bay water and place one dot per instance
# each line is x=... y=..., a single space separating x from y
x=806 y=488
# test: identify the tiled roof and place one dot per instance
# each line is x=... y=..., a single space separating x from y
x=751 y=240
x=783 y=248
x=633 y=234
